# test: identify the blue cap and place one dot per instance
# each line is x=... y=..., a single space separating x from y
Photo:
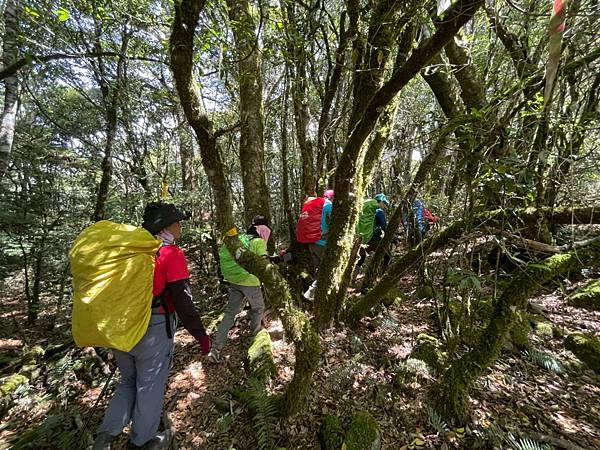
x=382 y=198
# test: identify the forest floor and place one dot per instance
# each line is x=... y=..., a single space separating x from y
x=544 y=396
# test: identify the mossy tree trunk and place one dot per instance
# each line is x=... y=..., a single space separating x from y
x=451 y=395
x=349 y=178
x=285 y=179
x=442 y=88
x=252 y=155
x=498 y=219
x=296 y=323
x=297 y=71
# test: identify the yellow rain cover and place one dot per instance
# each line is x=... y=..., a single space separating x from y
x=113 y=269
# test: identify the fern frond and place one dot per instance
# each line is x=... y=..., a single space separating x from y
x=265 y=417
x=544 y=360
x=435 y=420
x=525 y=444
x=223 y=426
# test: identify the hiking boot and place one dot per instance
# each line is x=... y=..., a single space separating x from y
x=162 y=441
x=214 y=355
x=310 y=292
x=103 y=442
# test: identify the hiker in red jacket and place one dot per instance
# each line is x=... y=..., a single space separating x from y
x=313 y=228
x=144 y=370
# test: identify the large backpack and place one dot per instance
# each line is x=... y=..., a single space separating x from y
x=308 y=229
x=113 y=272
x=366 y=221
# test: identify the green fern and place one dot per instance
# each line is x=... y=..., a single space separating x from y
x=525 y=444
x=35 y=437
x=435 y=420
x=223 y=426
x=543 y=360
x=265 y=417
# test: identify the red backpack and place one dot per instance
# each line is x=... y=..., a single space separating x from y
x=308 y=229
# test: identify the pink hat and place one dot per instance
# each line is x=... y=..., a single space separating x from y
x=328 y=194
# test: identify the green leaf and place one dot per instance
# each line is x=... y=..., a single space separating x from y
x=62 y=14
x=32 y=12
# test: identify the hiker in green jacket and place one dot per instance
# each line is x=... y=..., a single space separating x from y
x=243 y=285
x=372 y=224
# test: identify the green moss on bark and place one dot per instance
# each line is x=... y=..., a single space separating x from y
x=519 y=331
x=587 y=297
x=499 y=218
x=451 y=396
x=586 y=348
x=363 y=433
x=296 y=323
x=308 y=351
x=260 y=357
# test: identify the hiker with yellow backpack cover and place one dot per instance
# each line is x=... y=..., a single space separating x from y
x=128 y=283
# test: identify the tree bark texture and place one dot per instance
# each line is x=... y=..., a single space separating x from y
x=182 y=52
x=252 y=155
x=333 y=80
x=186 y=153
x=299 y=77
x=472 y=91
x=285 y=188
x=373 y=56
x=11 y=99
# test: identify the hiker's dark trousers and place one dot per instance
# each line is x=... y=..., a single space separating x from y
x=139 y=396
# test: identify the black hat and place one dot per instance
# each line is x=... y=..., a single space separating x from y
x=260 y=220
x=158 y=215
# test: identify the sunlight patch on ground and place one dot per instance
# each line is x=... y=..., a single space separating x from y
x=10 y=344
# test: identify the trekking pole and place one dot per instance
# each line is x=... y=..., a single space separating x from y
x=100 y=397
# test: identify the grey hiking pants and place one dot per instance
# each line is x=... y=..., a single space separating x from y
x=233 y=308
x=139 y=396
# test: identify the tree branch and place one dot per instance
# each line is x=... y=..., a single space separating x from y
x=31 y=59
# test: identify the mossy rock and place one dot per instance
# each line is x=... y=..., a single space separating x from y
x=260 y=357
x=586 y=348
x=423 y=292
x=412 y=370
x=587 y=297
x=363 y=433
x=544 y=329
x=331 y=434
x=11 y=383
x=427 y=349
x=519 y=331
